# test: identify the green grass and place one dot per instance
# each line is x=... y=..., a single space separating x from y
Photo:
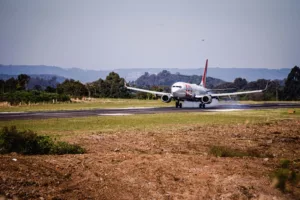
x=162 y=122
x=93 y=104
x=102 y=103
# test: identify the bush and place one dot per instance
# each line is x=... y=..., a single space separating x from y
x=29 y=143
x=66 y=148
x=222 y=151
x=33 y=96
x=286 y=175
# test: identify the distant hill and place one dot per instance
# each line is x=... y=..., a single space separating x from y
x=59 y=79
x=131 y=74
x=74 y=73
x=43 y=80
x=165 y=78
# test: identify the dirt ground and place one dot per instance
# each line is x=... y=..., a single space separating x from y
x=174 y=164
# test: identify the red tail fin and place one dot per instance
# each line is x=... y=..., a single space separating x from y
x=203 y=82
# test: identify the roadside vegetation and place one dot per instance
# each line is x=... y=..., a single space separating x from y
x=224 y=151
x=287 y=176
x=30 y=143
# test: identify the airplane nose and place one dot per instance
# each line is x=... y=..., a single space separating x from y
x=174 y=91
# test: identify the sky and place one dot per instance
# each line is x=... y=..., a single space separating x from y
x=115 y=34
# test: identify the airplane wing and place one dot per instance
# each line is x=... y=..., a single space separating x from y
x=148 y=91
x=234 y=93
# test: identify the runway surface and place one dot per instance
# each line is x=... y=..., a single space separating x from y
x=132 y=111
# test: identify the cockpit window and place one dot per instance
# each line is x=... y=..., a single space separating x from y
x=177 y=86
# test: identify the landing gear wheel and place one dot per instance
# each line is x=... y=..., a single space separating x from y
x=177 y=104
x=203 y=106
x=200 y=105
x=180 y=105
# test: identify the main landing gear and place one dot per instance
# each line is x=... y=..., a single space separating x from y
x=178 y=104
x=202 y=105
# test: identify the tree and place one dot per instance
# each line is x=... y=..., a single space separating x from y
x=115 y=86
x=73 y=88
x=23 y=80
x=292 y=85
x=50 y=89
x=38 y=88
x=10 y=85
x=2 y=86
x=240 y=83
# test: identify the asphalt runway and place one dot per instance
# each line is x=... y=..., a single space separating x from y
x=132 y=111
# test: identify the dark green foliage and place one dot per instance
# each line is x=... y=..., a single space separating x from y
x=43 y=82
x=66 y=148
x=29 y=143
x=240 y=83
x=286 y=175
x=50 y=89
x=32 y=97
x=223 y=151
x=274 y=91
x=10 y=85
x=165 y=78
x=72 y=88
x=111 y=87
x=292 y=85
x=23 y=80
x=285 y=163
x=282 y=176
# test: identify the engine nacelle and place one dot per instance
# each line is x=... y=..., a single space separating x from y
x=166 y=98
x=207 y=99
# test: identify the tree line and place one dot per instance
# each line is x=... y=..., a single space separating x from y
x=288 y=89
x=16 y=90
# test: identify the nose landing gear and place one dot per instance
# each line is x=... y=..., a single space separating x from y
x=178 y=104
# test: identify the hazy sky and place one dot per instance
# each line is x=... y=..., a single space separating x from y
x=111 y=34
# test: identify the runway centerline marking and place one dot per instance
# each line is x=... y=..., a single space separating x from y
x=115 y=114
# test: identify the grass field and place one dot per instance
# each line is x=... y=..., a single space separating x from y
x=84 y=125
x=80 y=105
x=104 y=103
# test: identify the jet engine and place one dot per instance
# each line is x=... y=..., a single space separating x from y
x=206 y=99
x=166 y=98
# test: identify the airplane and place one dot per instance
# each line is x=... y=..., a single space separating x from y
x=181 y=91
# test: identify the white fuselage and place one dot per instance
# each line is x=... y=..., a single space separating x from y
x=187 y=91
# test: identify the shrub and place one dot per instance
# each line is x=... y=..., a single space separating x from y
x=33 y=96
x=66 y=148
x=222 y=151
x=29 y=143
x=286 y=175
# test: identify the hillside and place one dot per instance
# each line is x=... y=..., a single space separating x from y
x=74 y=73
x=131 y=74
x=165 y=78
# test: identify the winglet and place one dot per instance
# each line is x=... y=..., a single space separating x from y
x=203 y=81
